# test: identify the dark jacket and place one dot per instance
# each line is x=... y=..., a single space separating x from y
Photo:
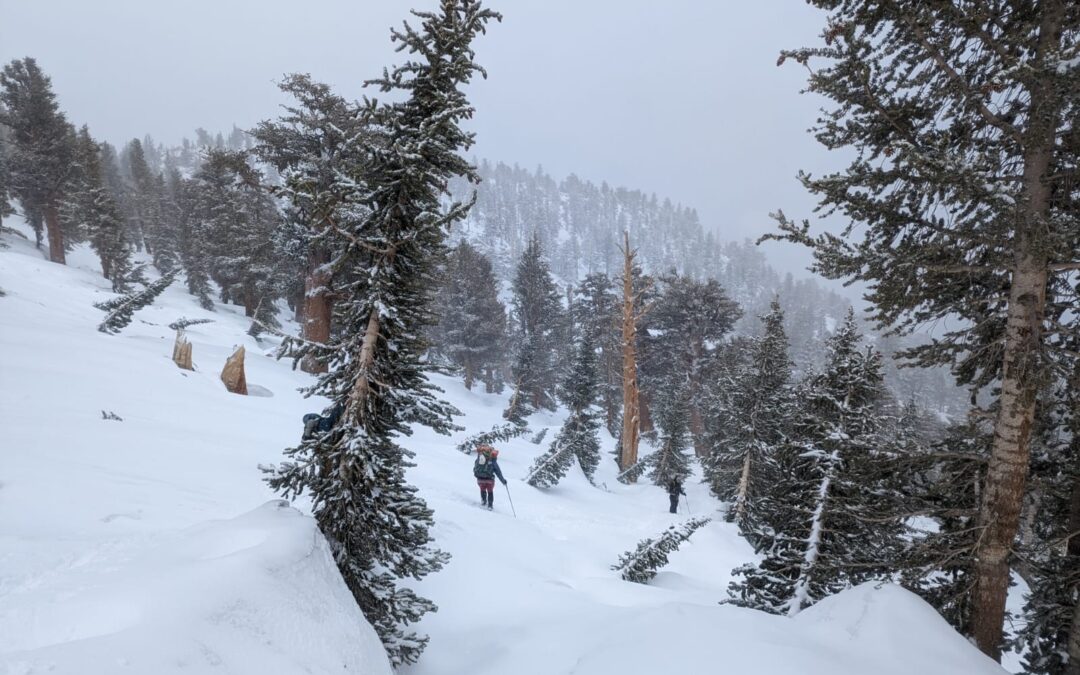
x=674 y=488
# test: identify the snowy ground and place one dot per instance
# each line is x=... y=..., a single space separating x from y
x=151 y=545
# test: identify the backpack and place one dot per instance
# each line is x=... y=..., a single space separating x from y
x=482 y=467
x=311 y=425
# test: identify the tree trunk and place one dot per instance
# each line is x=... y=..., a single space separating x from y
x=1003 y=496
x=318 y=307
x=249 y=300
x=631 y=430
x=470 y=376
x=744 y=485
x=361 y=389
x=55 y=234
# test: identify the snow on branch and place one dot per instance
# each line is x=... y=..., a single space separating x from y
x=642 y=564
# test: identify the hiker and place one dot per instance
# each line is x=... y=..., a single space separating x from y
x=486 y=468
x=674 y=489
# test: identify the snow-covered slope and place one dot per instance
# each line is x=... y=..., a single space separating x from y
x=151 y=545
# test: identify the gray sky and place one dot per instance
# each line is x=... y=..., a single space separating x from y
x=682 y=98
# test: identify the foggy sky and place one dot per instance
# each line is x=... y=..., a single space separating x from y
x=681 y=98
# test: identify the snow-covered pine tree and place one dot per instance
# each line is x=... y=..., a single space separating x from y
x=686 y=326
x=597 y=312
x=91 y=205
x=551 y=467
x=942 y=482
x=376 y=524
x=960 y=123
x=316 y=147
x=121 y=310
x=751 y=425
x=498 y=434
x=671 y=461
x=472 y=324
x=826 y=523
x=234 y=225
x=579 y=392
x=537 y=312
x=145 y=191
x=642 y=564
x=41 y=149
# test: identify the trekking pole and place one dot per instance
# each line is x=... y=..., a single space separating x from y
x=686 y=500
x=511 y=499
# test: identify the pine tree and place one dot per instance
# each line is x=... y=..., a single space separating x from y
x=551 y=467
x=825 y=525
x=316 y=147
x=90 y=203
x=234 y=222
x=686 y=327
x=960 y=120
x=943 y=482
x=642 y=564
x=671 y=462
x=498 y=434
x=41 y=151
x=751 y=424
x=597 y=312
x=580 y=431
x=121 y=310
x=537 y=314
x=472 y=326
x=376 y=524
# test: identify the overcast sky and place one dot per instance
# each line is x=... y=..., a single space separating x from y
x=682 y=98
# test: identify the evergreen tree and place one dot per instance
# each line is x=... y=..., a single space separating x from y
x=551 y=467
x=597 y=313
x=317 y=146
x=537 y=313
x=685 y=328
x=671 y=462
x=580 y=431
x=472 y=326
x=498 y=434
x=960 y=122
x=826 y=524
x=943 y=482
x=376 y=524
x=232 y=234
x=90 y=203
x=121 y=310
x=642 y=564
x=751 y=424
x=41 y=150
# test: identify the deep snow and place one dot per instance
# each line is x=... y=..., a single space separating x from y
x=151 y=545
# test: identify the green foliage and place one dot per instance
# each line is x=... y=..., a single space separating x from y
x=642 y=564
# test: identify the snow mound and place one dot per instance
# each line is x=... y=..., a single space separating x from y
x=255 y=594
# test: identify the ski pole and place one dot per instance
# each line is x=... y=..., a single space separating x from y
x=511 y=499
x=686 y=500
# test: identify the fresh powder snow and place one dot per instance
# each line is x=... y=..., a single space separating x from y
x=150 y=544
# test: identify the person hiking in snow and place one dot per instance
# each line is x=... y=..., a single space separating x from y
x=486 y=468
x=674 y=489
